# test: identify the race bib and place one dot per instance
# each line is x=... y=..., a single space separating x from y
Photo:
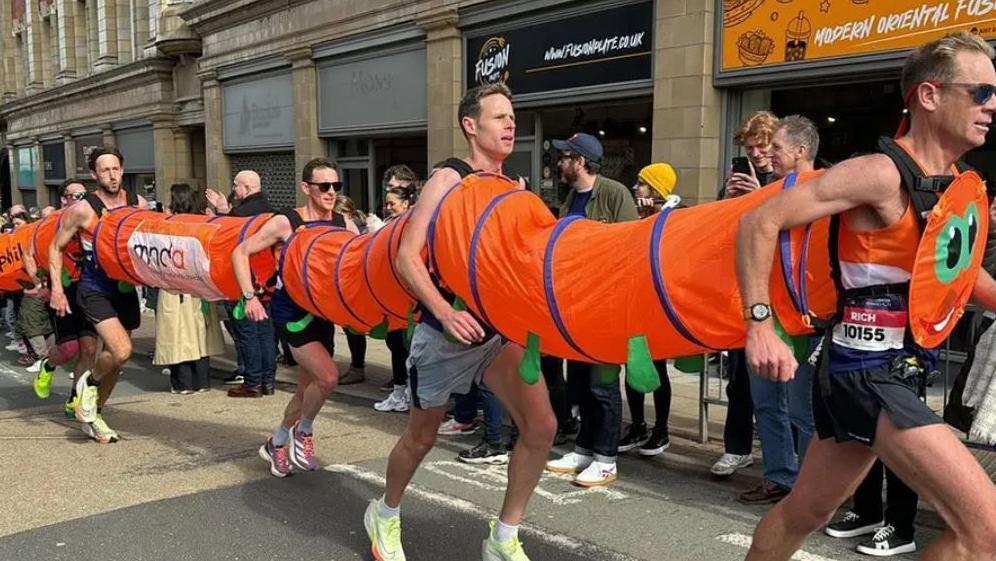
x=870 y=329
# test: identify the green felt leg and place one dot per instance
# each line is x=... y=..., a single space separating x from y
x=798 y=343
x=379 y=331
x=529 y=368
x=607 y=373
x=300 y=325
x=410 y=329
x=641 y=374
x=690 y=364
x=239 y=312
x=460 y=306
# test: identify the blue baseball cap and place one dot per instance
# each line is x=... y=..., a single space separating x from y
x=584 y=144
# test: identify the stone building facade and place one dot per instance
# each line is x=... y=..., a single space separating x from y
x=200 y=89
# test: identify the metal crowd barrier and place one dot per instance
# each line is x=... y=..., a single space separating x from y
x=712 y=379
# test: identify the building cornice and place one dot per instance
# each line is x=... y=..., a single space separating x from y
x=120 y=78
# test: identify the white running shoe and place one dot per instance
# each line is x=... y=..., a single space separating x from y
x=36 y=367
x=571 y=462
x=597 y=474
x=727 y=464
x=398 y=400
x=100 y=431
x=86 y=410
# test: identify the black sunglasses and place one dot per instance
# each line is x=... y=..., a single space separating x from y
x=981 y=93
x=75 y=196
x=325 y=186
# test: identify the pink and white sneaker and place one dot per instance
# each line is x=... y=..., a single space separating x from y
x=277 y=457
x=302 y=450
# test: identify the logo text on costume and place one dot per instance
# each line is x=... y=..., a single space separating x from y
x=172 y=260
x=11 y=256
x=160 y=257
x=492 y=64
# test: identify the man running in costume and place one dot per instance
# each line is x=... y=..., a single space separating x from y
x=310 y=338
x=74 y=335
x=439 y=367
x=111 y=307
x=865 y=396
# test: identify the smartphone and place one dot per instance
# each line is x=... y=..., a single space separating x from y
x=741 y=165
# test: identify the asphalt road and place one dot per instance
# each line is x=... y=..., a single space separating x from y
x=185 y=483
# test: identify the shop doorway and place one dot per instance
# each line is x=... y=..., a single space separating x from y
x=624 y=128
x=363 y=161
x=851 y=118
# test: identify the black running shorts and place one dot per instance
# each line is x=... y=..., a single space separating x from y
x=98 y=306
x=317 y=331
x=71 y=327
x=846 y=405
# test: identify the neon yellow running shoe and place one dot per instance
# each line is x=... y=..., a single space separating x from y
x=384 y=533
x=70 y=407
x=43 y=381
x=494 y=550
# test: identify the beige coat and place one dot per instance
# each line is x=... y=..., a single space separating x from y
x=184 y=332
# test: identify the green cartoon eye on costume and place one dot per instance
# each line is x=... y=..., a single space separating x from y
x=299 y=325
x=953 y=252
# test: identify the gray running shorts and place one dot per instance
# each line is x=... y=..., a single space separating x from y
x=438 y=367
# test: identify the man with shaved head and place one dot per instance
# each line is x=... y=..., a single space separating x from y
x=254 y=340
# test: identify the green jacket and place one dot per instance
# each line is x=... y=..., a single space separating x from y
x=610 y=202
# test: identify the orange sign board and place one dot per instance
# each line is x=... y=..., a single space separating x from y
x=774 y=32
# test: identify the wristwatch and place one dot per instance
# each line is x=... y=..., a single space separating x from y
x=757 y=312
x=249 y=295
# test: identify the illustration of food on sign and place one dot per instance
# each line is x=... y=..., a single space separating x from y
x=859 y=2
x=753 y=47
x=797 y=36
x=737 y=11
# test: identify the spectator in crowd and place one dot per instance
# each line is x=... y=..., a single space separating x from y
x=18 y=218
x=255 y=340
x=399 y=177
x=357 y=343
x=595 y=197
x=784 y=411
x=33 y=321
x=754 y=134
x=891 y=524
x=397 y=200
x=75 y=336
x=653 y=191
x=187 y=328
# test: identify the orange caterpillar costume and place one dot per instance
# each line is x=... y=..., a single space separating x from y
x=663 y=287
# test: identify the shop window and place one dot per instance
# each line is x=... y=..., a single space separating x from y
x=352 y=148
x=29 y=199
x=623 y=128
x=276 y=172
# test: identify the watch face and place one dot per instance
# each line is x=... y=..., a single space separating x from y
x=760 y=311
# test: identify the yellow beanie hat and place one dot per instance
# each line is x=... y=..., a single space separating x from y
x=659 y=176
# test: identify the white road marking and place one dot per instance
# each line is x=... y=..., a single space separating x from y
x=495 y=478
x=744 y=541
x=23 y=377
x=578 y=547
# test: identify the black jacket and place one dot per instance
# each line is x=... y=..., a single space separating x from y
x=254 y=204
